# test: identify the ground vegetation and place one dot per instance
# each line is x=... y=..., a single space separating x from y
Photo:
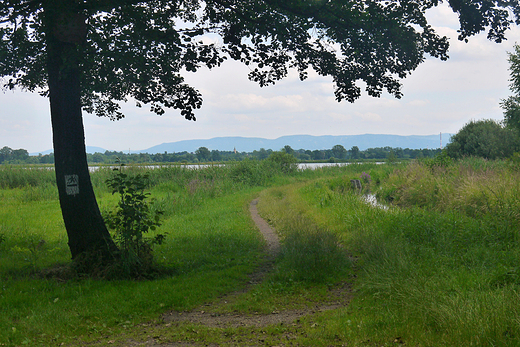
x=433 y=263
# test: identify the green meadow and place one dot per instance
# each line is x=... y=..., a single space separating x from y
x=435 y=263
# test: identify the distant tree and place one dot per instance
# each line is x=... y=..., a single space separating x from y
x=203 y=154
x=144 y=158
x=287 y=149
x=92 y=55
x=98 y=158
x=215 y=155
x=304 y=156
x=354 y=152
x=5 y=153
x=8 y=154
x=262 y=154
x=159 y=157
x=20 y=155
x=317 y=155
x=339 y=152
x=47 y=159
x=484 y=138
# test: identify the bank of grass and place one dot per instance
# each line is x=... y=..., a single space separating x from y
x=209 y=251
x=211 y=247
x=439 y=270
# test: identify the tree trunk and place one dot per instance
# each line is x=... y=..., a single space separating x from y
x=86 y=229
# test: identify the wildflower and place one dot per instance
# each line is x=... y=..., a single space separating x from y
x=365 y=177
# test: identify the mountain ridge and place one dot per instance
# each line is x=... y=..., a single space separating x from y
x=307 y=142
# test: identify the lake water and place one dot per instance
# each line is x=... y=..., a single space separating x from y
x=302 y=166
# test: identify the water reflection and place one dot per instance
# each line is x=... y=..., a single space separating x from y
x=372 y=200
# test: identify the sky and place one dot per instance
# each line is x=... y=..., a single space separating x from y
x=439 y=97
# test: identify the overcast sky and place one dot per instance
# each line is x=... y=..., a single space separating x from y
x=438 y=97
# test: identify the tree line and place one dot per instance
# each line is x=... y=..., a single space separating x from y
x=203 y=155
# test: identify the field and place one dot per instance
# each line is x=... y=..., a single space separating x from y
x=437 y=267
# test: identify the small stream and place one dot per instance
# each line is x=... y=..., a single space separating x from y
x=372 y=200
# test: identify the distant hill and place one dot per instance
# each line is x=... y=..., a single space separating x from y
x=250 y=144
x=90 y=149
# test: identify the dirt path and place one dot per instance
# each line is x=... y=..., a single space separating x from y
x=270 y=236
x=339 y=296
x=207 y=316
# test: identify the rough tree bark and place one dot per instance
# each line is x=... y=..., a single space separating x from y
x=86 y=230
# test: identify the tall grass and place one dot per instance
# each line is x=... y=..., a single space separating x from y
x=18 y=176
x=476 y=188
x=438 y=268
x=211 y=246
x=441 y=270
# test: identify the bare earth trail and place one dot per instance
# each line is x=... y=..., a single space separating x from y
x=206 y=315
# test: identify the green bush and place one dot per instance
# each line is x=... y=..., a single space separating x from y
x=249 y=172
x=442 y=160
x=133 y=218
x=484 y=138
x=283 y=162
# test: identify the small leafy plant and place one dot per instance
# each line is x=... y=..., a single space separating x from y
x=31 y=253
x=130 y=221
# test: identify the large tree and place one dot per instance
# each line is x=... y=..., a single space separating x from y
x=91 y=55
x=485 y=138
x=511 y=105
x=339 y=152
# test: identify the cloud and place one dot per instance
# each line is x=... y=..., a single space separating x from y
x=418 y=103
x=369 y=116
x=259 y=103
x=443 y=16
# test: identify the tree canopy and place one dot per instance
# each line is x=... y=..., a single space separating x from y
x=484 y=138
x=92 y=55
x=138 y=50
x=13 y=155
x=511 y=105
x=339 y=151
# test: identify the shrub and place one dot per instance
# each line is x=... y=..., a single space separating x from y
x=484 y=138
x=442 y=160
x=249 y=172
x=414 y=185
x=18 y=177
x=133 y=218
x=282 y=161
